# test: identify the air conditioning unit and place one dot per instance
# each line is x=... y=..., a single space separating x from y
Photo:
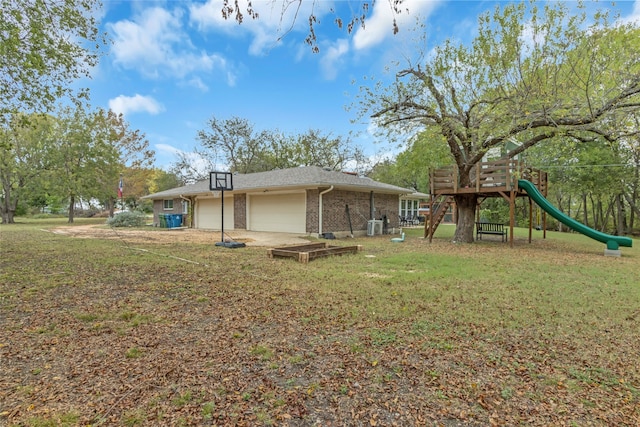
x=374 y=226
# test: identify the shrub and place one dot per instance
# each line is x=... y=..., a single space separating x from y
x=127 y=219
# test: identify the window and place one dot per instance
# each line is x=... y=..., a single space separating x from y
x=167 y=205
x=409 y=208
x=185 y=207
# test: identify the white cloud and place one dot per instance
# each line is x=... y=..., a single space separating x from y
x=635 y=14
x=231 y=79
x=379 y=25
x=331 y=58
x=167 y=149
x=199 y=166
x=275 y=20
x=198 y=84
x=155 y=44
x=133 y=104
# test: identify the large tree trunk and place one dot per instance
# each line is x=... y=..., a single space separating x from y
x=607 y=214
x=72 y=203
x=561 y=208
x=7 y=216
x=466 y=204
x=111 y=202
x=8 y=207
x=622 y=216
x=634 y=208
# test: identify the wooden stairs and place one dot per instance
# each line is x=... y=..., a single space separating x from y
x=434 y=219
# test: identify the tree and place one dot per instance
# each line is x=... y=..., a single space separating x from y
x=135 y=158
x=234 y=143
x=90 y=152
x=409 y=168
x=313 y=148
x=530 y=75
x=586 y=178
x=161 y=180
x=45 y=45
x=82 y=164
x=291 y=9
x=632 y=180
x=192 y=166
x=138 y=181
x=24 y=152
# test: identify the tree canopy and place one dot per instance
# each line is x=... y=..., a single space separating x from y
x=77 y=154
x=45 y=45
x=531 y=74
x=235 y=145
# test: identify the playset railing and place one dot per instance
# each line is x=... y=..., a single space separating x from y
x=486 y=177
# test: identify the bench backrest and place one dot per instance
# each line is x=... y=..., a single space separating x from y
x=489 y=226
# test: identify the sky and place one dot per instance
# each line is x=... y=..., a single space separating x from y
x=172 y=65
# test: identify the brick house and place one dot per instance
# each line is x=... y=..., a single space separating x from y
x=306 y=200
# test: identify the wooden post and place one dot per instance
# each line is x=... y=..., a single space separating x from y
x=431 y=218
x=512 y=215
x=543 y=178
x=530 y=218
x=455 y=179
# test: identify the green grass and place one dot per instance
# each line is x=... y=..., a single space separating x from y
x=263 y=352
x=445 y=328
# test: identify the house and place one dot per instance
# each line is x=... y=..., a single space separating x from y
x=410 y=207
x=449 y=215
x=306 y=200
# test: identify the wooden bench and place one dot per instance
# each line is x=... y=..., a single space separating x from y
x=493 y=228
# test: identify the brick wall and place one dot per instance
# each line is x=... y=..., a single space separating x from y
x=313 y=216
x=240 y=211
x=334 y=217
x=388 y=204
x=158 y=208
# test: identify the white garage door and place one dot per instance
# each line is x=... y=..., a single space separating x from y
x=278 y=212
x=208 y=213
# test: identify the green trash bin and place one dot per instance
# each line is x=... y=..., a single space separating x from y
x=163 y=220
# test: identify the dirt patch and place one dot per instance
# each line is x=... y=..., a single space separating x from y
x=183 y=235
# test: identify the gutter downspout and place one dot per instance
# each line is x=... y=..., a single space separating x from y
x=321 y=207
x=372 y=209
x=190 y=207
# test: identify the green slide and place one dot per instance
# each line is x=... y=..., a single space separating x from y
x=613 y=242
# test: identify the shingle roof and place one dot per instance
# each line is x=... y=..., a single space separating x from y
x=282 y=179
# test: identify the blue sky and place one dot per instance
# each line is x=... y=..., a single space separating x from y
x=173 y=65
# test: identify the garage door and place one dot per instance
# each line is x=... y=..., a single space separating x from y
x=278 y=212
x=208 y=214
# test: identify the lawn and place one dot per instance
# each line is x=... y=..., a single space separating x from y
x=110 y=332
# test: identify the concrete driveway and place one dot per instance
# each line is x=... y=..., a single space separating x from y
x=168 y=235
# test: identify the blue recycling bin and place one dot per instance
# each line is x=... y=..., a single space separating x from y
x=176 y=220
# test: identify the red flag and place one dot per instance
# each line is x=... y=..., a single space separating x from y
x=120 y=188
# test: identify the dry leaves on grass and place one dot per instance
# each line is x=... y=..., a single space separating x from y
x=94 y=334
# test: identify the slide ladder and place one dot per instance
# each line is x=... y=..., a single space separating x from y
x=612 y=242
x=438 y=216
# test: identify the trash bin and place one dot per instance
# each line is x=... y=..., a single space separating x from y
x=163 y=220
x=176 y=220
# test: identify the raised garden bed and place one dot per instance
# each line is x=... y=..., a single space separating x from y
x=307 y=252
